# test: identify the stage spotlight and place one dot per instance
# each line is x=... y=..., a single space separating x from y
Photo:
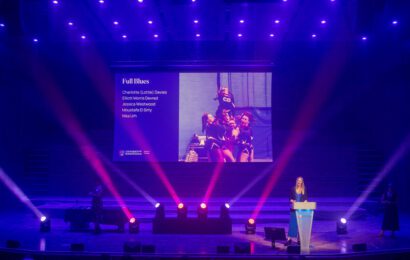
x=2 y=25
x=202 y=211
x=196 y=21
x=35 y=40
x=134 y=226
x=395 y=22
x=241 y=21
x=159 y=211
x=225 y=211
x=140 y=1
x=240 y=35
x=277 y=21
x=250 y=226
x=364 y=38
x=45 y=224
x=55 y=2
x=182 y=211
x=341 y=226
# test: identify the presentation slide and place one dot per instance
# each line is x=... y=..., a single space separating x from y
x=193 y=117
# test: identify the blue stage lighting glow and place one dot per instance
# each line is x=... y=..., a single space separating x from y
x=197 y=35
x=55 y=2
x=196 y=21
x=43 y=218
x=83 y=37
x=150 y=22
x=242 y=21
x=323 y=22
x=35 y=40
x=227 y=205
x=240 y=35
x=314 y=35
x=343 y=220
x=277 y=21
x=156 y=35
x=364 y=38
x=140 y=1
x=2 y=25
x=271 y=35
x=395 y=22
x=157 y=204
x=124 y=36
x=70 y=23
x=101 y=1
x=115 y=23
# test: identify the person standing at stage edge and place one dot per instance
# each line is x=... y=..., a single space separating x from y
x=297 y=194
x=391 y=215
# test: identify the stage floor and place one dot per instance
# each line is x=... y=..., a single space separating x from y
x=24 y=227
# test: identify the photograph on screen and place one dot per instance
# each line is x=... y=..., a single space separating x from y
x=225 y=117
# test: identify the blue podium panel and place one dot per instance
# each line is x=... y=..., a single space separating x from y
x=304 y=216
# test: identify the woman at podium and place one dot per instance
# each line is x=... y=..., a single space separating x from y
x=297 y=194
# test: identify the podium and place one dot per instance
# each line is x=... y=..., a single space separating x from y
x=304 y=216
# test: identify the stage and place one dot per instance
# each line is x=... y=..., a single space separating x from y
x=24 y=227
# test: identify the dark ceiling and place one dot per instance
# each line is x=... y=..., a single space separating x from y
x=204 y=20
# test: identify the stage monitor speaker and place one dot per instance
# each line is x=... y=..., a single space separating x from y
x=359 y=247
x=293 y=249
x=132 y=247
x=77 y=247
x=242 y=248
x=148 y=249
x=222 y=249
x=275 y=234
x=12 y=244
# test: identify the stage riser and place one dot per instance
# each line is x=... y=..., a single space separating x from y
x=274 y=210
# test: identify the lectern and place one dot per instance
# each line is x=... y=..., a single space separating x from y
x=304 y=216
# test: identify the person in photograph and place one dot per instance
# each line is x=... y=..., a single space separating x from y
x=224 y=119
x=245 y=138
x=226 y=101
x=298 y=194
x=215 y=137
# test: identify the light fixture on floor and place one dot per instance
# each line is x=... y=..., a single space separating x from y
x=45 y=224
x=225 y=211
x=341 y=226
x=182 y=211
x=250 y=226
x=134 y=226
x=202 y=211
